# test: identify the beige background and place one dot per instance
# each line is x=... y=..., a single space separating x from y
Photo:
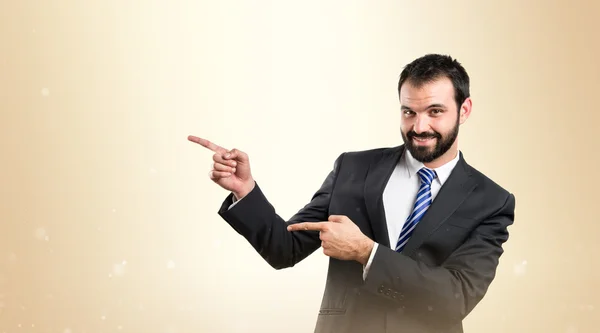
x=108 y=218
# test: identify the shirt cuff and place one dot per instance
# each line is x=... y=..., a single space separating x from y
x=235 y=201
x=368 y=265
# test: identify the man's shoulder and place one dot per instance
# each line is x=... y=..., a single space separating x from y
x=363 y=158
x=494 y=198
x=364 y=154
x=486 y=183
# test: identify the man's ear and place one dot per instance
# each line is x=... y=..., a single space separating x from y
x=465 y=110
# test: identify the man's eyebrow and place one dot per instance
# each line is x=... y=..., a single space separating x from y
x=435 y=105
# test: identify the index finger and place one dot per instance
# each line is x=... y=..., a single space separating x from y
x=318 y=226
x=207 y=144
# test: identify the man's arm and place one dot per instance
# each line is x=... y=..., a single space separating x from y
x=450 y=292
x=255 y=219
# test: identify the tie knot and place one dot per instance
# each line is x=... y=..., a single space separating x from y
x=427 y=175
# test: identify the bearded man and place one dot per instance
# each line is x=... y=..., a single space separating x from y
x=414 y=233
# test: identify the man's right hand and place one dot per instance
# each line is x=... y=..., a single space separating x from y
x=231 y=168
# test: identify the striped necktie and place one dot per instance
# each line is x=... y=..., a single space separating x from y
x=421 y=205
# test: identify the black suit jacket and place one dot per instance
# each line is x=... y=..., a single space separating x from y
x=443 y=272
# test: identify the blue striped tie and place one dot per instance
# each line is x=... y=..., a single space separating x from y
x=422 y=203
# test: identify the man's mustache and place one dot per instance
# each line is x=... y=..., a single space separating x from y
x=424 y=135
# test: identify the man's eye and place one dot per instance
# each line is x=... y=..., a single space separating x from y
x=436 y=111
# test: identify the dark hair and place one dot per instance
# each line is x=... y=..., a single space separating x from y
x=434 y=66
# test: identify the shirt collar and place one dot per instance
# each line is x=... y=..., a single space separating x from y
x=443 y=172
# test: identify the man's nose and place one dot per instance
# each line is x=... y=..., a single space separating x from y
x=421 y=124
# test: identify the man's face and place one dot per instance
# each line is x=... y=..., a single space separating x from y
x=430 y=119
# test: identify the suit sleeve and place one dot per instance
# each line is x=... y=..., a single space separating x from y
x=257 y=221
x=449 y=292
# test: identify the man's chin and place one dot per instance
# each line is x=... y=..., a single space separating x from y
x=422 y=153
x=428 y=149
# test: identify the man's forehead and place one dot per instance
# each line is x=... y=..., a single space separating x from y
x=418 y=98
x=437 y=92
x=424 y=100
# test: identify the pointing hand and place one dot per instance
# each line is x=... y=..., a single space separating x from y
x=340 y=238
x=231 y=168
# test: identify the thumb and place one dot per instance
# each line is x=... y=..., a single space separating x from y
x=338 y=218
x=236 y=154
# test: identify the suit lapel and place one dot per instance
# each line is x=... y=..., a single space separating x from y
x=454 y=191
x=379 y=173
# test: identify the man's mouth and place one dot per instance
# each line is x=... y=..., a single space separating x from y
x=423 y=140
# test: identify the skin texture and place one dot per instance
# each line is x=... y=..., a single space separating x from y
x=429 y=111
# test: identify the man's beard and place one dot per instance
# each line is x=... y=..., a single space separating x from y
x=426 y=154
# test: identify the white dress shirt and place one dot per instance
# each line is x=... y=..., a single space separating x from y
x=400 y=193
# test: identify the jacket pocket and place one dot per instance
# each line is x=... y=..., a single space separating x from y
x=334 y=298
x=331 y=312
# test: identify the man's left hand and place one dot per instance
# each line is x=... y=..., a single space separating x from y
x=340 y=238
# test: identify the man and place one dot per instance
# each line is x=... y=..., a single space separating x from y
x=413 y=232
